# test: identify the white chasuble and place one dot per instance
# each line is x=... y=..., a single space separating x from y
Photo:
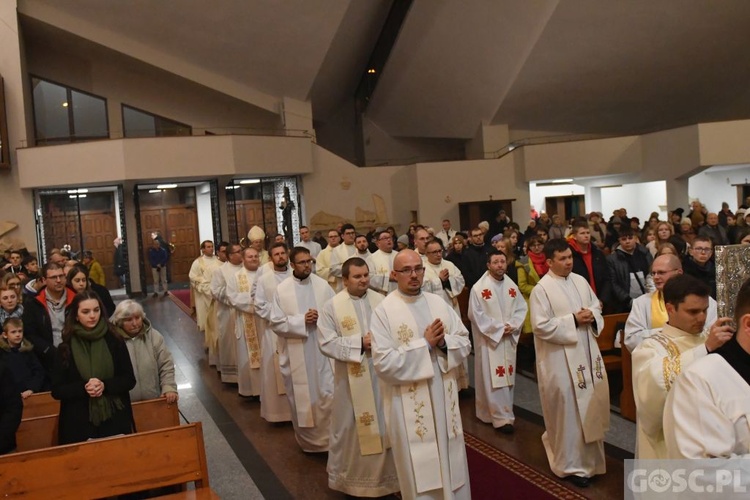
x=274 y=405
x=308 y=375
x=247 y=338
x=420 y=394
x=358 y=372
x=360 y=462
x=657 y=362
x=707 y=413
x=200 y=275
x=380 y=272
x=226 y=317
x=572 y=379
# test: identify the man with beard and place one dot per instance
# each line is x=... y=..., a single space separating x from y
x=308 y=376
x=274 y=405
x=382 y=264
x=497 y=311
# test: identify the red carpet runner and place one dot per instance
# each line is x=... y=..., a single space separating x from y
x=493 y=473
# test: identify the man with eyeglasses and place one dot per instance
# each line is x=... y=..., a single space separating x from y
x=274 y=405
x=360 y=463
x=44 y=315
x=323 y=262
x=659 y=359
x=418 y=343
x=649 y=311
x=341 y=253
x=700 y=263
x=629 y=273
x=308 y=375
x=225 y=345
x=382 y=263
x=307 y=242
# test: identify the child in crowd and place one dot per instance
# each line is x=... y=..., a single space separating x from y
x=31 y=267
x=19 y=357
x=10 y=306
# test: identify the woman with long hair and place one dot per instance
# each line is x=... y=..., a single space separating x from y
x=92 y=375
x=78 y=280
x=665 y=234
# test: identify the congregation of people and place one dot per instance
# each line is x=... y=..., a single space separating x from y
x=358 y=340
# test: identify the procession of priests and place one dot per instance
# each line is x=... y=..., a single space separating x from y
x=365 y=353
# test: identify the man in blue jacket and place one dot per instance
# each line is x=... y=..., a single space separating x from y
x=157 y=257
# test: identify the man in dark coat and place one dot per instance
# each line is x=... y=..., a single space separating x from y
x=589 y=261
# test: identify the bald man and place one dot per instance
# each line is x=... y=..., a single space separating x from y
x=649 y=311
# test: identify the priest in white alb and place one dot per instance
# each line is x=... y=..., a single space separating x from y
x=201 y=271
x=305 y=240
x=323 y=262
x=649 y=311
x=341 y=253
x=225 y=314
x=707 y=413
x=566 y=317
x=308 y=375
x=418 y=342
x=662 y=356
x=497 y=311
x=382 y=264
x=360 y=461
x=246 y=333
x=274 y=405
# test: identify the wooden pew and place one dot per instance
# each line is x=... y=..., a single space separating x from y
x=627 y=398
x=606 y=341
x=41 y=432
x=111 y=466
x=40 y=404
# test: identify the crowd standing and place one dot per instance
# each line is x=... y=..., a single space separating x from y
x=358 y=338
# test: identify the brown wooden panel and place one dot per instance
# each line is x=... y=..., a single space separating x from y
x=178 y=226
x=99 y=232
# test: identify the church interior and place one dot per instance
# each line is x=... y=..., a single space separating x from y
x=198 y=120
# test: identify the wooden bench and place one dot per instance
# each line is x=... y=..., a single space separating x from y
x=618 y=360
x=111 y=466
x=40 y=404
x=41 y=432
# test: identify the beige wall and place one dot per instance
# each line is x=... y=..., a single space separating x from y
x=17 y=204
x=583 y=158
x=442 y=186
x=724 y=143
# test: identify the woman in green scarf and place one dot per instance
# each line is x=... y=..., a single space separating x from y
x=92 y=375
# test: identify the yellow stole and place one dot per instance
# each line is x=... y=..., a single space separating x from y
x=248 y=323
x=360 y=379
x=659 y=316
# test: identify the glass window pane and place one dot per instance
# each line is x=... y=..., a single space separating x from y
x=137 y=123
x=89 y=115
x=50 y=110
x=169 y=128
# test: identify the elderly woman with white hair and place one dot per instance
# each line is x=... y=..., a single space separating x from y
x=152 y=361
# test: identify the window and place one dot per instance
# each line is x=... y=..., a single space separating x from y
x=137 y=123
x=63 y=114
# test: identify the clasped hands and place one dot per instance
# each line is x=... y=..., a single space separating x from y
x=311 y=317
x=435 y=334
x=94 y=387
x=584 y=317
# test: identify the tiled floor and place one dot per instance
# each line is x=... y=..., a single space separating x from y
x=250 y=458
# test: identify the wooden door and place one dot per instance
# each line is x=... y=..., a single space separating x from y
x=99 y=232
x=474 y=212
x=178 y=226
x=250 y=213
x=182 y=232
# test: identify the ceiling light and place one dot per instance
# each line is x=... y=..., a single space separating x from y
x=562 y=181
x=166 y=186
x=74 y=191
x=154 y=190
x=65 y=105
x=231 y=187
x=250 y=181
x=77 y=196
x=371 y=71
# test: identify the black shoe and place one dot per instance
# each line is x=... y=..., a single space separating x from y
x=507 y=429
x=579 y=481
x=155 y=295
x=166 y=293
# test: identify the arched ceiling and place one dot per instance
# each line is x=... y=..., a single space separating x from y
x=558 y=66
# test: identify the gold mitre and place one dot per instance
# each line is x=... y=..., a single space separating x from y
x=256 y=233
